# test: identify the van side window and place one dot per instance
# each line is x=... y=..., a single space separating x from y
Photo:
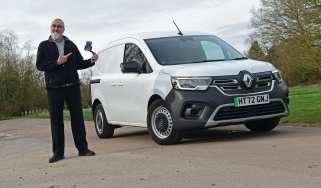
x=133 y=53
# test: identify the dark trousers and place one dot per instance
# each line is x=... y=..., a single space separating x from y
x=56 y=98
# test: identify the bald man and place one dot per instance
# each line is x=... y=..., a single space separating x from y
x=60 y=59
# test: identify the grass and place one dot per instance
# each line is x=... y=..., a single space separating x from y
x=43 y=115
x=305 y=106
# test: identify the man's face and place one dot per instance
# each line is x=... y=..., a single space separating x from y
x=57 y=29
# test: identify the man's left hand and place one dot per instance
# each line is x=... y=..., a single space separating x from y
x=94 y=58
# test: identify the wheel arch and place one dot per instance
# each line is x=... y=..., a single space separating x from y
x=94 y=106
x=152 y=99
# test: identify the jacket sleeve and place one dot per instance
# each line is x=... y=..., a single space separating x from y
x=81 y=63
x=42 y=63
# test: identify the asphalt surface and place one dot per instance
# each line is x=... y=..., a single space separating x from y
x=229 y=157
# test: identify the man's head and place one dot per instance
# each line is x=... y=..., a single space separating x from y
x=57 y=29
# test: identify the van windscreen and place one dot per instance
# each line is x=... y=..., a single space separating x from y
x=191 y=49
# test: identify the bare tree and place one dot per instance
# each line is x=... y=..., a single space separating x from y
x=20 y=83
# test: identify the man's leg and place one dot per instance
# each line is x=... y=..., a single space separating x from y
x=55 y=106
x=73 y=99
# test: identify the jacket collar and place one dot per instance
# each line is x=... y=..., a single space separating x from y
x=64 y=37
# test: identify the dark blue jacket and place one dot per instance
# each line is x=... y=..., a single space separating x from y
x=57 y=76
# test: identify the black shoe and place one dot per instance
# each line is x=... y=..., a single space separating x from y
x=56 y=158
x=87 y=153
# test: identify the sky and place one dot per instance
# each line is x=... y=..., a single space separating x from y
x=102 y=21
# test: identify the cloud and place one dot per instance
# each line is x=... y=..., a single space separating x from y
x=103 y=21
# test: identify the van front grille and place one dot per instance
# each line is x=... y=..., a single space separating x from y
x=233 y=84
x=231 y=112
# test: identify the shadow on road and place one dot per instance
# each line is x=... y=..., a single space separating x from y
x=209 y=135
x=139 y=132
x=217 y=135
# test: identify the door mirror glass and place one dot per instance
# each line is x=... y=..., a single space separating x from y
x=131 y=67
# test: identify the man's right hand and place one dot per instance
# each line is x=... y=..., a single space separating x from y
x=62 y=59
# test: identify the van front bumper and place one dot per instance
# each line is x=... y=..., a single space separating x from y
x=212 y=108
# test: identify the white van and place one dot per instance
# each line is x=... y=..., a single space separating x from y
x=169 y=83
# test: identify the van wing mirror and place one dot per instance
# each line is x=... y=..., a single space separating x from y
x=131 y=67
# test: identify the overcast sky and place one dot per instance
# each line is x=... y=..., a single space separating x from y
x=102 y=21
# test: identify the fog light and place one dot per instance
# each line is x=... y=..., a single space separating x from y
x=192 y=110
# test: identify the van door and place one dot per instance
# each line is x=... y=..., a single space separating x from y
x=109 y=74
x=133 y=89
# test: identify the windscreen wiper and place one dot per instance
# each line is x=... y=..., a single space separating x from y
x=210 y=60
x=239 y=58
x=204 y=61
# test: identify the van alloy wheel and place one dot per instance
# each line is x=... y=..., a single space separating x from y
x=162 y=122
x=103 y=128
x=99 y=122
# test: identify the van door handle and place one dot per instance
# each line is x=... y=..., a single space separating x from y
x=117 y=84
x=95 y=81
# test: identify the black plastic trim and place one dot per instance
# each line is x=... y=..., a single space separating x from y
x=95 y=81
x=211 y=98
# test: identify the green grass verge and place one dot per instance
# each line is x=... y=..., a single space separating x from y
x=86 y=111
x=305 y=106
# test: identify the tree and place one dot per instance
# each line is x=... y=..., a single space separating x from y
x=21 y=88
x=290 y=32
x=9 y=76
x=256 y=52
x=85 y=88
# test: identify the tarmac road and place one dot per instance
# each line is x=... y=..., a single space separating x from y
x=228 y=157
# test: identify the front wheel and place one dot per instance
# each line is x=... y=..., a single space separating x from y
x=103 y=128
x=263 y=125
x=161 y=124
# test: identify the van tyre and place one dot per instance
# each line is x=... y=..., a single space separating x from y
x=103 y=128
x=161 y=124
x=263 y=125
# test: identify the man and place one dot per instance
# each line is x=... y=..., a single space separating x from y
x=60 y=59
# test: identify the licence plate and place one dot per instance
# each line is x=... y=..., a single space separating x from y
x=251 y=100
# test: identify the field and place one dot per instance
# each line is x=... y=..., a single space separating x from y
x=305 y=106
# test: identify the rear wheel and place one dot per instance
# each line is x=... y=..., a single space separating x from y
x=263 y=125
x=103 y=129
x=161 y=124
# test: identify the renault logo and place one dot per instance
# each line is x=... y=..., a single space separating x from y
x=247 y=80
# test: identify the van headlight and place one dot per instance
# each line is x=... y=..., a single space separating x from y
x=191 y=83
x=278 y=76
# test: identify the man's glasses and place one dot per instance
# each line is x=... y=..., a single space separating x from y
x=58 y=26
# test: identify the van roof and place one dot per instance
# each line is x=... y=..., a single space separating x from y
x=159 y=34
x=155 y=34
